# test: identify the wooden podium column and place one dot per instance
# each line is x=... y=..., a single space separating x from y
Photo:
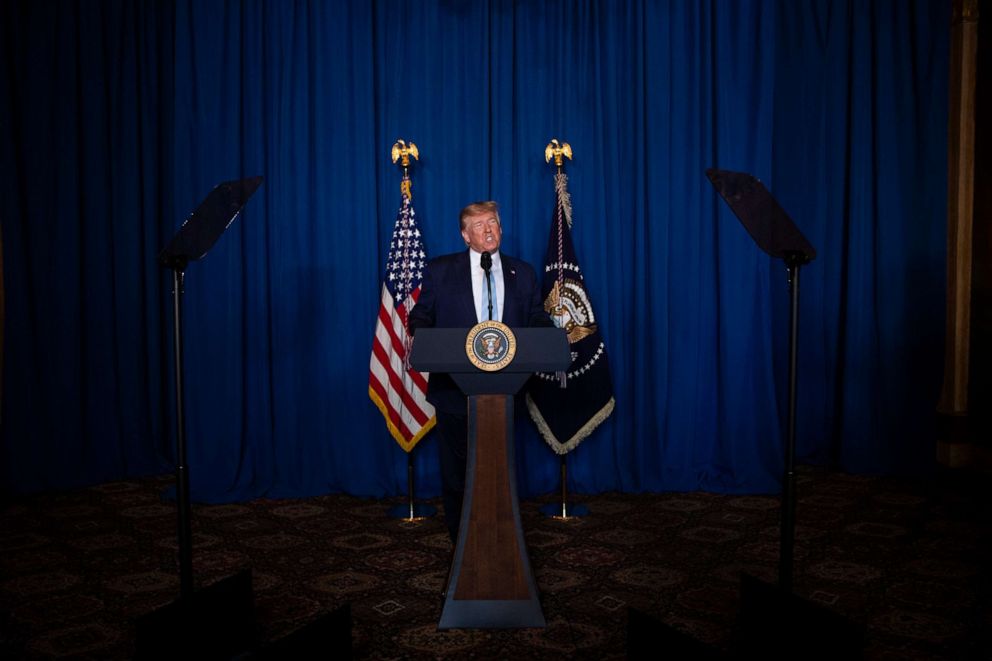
x=491 y=584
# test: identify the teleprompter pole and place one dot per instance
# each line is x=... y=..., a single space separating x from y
x=788 y=523
x=182 y=470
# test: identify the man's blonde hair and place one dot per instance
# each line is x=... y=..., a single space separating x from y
x=476 y=209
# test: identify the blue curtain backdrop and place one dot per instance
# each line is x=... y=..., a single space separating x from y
x=119 y=117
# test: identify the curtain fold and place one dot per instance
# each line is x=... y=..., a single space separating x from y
x=119 y=117
x=85 y=106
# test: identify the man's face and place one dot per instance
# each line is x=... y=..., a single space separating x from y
x=482 y=232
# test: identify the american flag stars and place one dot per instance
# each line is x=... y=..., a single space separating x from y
x=407 y=259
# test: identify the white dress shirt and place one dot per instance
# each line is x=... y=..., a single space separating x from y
x=479 y=278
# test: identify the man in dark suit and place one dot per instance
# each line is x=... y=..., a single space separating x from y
x=455 y=294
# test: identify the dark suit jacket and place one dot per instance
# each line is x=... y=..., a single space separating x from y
x=447 y=301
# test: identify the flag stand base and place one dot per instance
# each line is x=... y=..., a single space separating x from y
x=565 y=511
x=414 y=512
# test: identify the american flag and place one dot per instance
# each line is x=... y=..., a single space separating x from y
x=398 y=391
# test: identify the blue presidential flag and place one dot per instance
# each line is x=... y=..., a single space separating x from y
x=568 y=406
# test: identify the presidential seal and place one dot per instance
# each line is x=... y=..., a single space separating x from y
x=490 y=346
x=570 y=309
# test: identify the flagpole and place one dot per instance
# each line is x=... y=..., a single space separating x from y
x=563 y=510
x=411 y=510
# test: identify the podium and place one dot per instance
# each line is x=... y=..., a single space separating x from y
x=490 y=584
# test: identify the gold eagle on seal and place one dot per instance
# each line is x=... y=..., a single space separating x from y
x=570 y=309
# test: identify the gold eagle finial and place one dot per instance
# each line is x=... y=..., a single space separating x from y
x=402 y=150
x=557 y=151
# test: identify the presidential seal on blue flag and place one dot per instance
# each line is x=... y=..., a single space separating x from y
x=568 y=406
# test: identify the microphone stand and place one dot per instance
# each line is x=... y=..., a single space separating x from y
x=487 y=263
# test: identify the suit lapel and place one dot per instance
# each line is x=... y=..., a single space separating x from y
x=466 y=297
x=509 y=290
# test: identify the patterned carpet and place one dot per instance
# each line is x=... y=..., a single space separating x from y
x=906 y=559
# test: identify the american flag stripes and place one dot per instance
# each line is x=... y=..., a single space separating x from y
x=398 y=391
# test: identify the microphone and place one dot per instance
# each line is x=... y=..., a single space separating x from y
x=486 y=261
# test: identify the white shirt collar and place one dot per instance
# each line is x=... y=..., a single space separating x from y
x=475 y=259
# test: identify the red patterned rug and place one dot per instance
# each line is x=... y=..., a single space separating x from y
x=908 y=560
